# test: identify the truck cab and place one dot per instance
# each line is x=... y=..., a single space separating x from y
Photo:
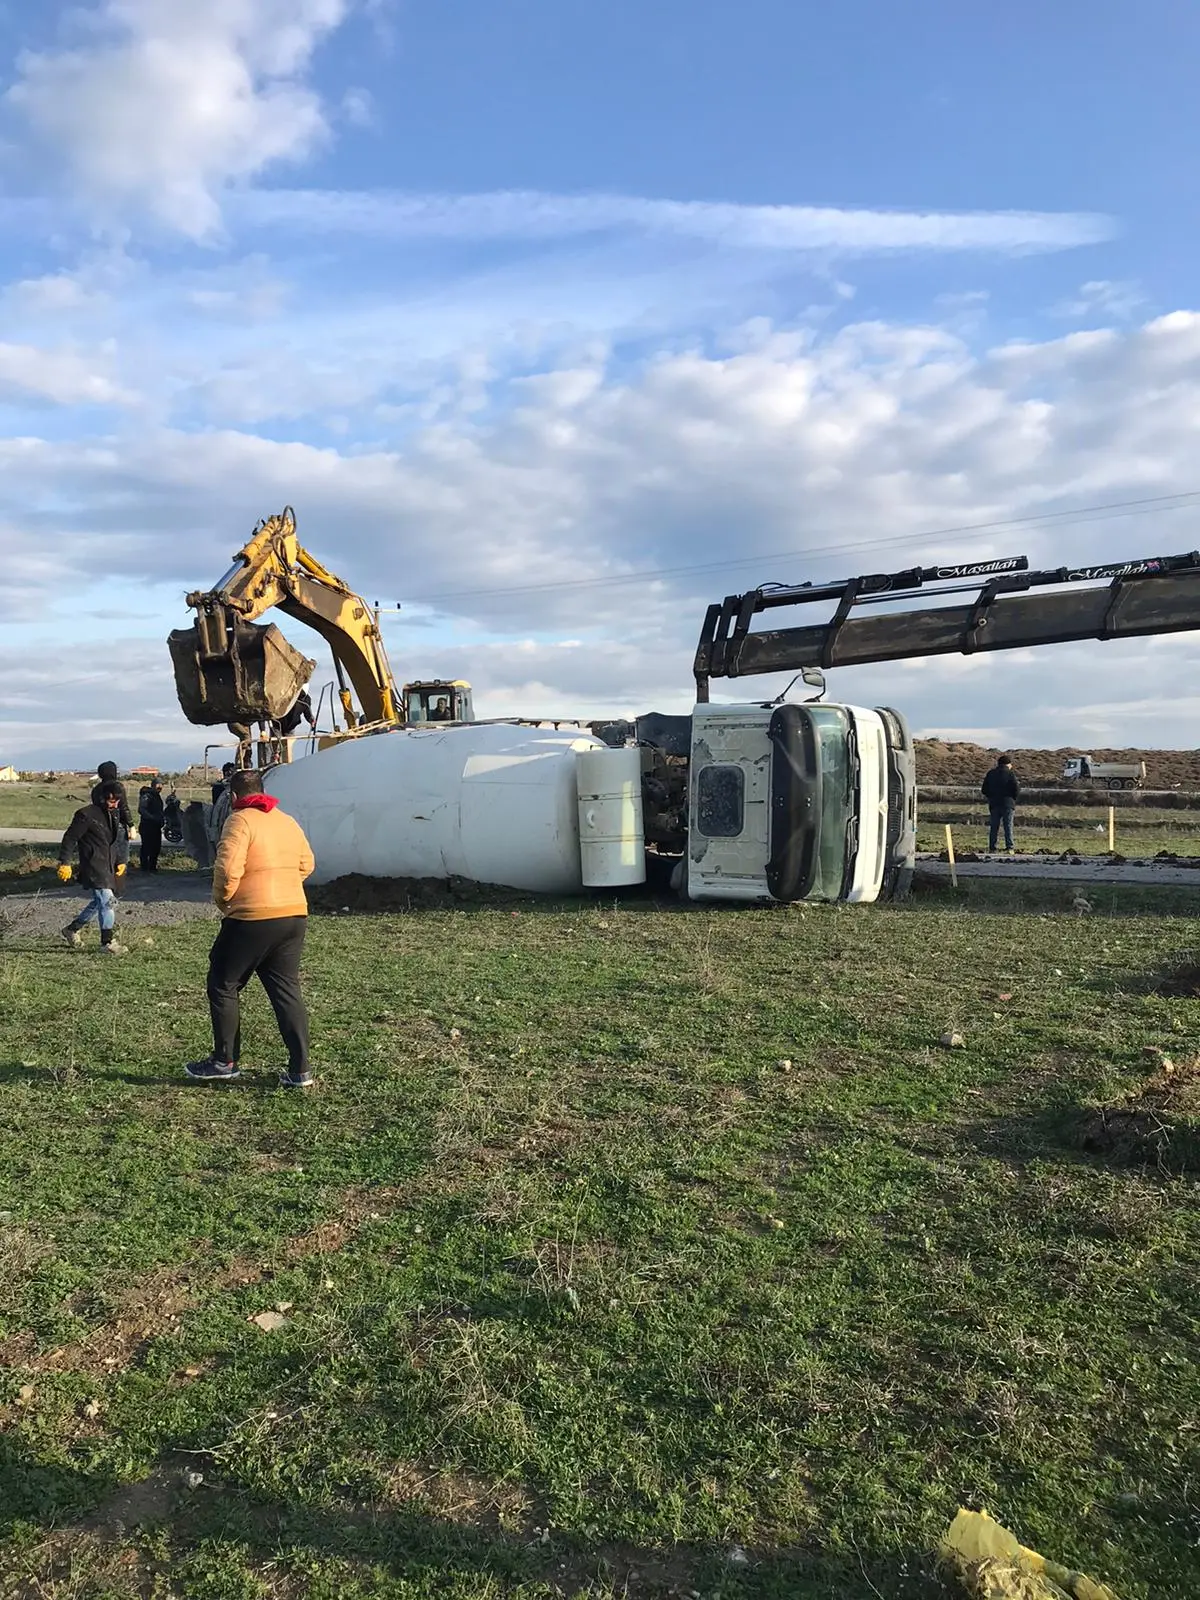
x=799 y=802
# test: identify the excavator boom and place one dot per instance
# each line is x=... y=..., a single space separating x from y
x=1008 y=611
x=230 y=670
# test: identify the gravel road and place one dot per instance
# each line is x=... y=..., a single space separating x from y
x=157 y=900
x=1083 y=870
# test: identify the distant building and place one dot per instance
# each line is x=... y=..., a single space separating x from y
x=143 y=772
x=9 y=775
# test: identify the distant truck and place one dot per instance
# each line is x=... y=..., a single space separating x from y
x=1112 y=774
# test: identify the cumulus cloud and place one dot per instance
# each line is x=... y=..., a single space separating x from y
x=63 y=376
x=520 y=530
x=158 y=105
x=530 y=215
x=51 y=295
x=796 y=445
x=58 y=709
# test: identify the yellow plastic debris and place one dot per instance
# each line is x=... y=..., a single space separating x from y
x=994 y=1565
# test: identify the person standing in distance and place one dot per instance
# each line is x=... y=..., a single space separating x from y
x=258 y=887
x=95 y=834
x=222 y=806
x=151 y=812
x=1001 y=791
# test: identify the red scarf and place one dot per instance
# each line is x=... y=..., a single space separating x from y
x=256 y=802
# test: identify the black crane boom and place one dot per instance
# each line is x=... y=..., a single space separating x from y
x=1116 y=600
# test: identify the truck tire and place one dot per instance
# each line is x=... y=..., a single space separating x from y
x=1131 y=783
x=1115 y=783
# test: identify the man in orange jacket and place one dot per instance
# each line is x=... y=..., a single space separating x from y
x=258 y=887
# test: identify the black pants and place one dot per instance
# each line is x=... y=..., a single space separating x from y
x=151 y=845
x=271 y=948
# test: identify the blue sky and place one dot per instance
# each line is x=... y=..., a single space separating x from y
x=516 y=302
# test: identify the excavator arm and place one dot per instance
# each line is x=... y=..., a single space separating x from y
x=229 y=670
x=1008 y=611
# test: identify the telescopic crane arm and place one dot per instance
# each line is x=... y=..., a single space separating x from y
x=1127 y=599
x=273 y=569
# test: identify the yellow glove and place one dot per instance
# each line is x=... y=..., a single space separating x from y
x=121 y=870
x=64 y=873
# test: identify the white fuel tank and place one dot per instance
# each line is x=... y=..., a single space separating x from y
x=612 y=840
x=493 y=803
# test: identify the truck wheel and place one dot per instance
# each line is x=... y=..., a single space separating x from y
x=1131 y=783
x=1114 y=783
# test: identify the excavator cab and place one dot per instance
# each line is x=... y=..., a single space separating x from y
x=438 y=700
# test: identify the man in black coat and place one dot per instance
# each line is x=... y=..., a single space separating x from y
x=106 y=772
x=1001 y=791
x=95 y=834
x=151 y=811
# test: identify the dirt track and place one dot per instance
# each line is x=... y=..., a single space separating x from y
x=149 y=902
x=942 y=763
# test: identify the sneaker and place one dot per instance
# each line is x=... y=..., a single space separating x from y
x=300 y=1080
x=112 y=948
x=72 y=936
x=212 y=1070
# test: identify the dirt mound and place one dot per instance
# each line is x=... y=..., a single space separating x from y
x=1157 y=1124
x=362 y=894
x=1181 y=982
x=939 y=762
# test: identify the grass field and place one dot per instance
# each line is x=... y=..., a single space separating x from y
x=1080 y=829
x=1139 y=831
x=41 y=805
x=579 y=1290
x=52 y=805
x=27 y=869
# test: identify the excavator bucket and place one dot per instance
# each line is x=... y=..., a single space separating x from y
x=248 y=673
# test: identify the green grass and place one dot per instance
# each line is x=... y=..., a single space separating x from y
x=40 y=805
x=26 y=869
x=52 y=805
x=1139 y=831
x=582 y=1289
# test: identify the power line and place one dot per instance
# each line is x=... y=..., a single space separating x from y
x=1097 y=513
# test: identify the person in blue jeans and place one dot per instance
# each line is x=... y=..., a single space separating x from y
x=1001 y=791
x=97 y=836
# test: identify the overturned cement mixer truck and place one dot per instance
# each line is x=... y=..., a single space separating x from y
x=745 y=802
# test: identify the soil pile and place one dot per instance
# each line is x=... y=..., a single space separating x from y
x=1157 y=1124
x=939 y=762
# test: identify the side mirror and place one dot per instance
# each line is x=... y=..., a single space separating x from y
x=814 y=678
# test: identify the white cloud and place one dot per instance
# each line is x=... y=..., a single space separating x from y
x=793 y=456
x=529 y=215
x=63 y=376
x=159 y=105
x=51 y=295
x=1103 y=297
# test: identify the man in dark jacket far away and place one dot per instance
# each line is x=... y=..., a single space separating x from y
x=1001 y=791
x=95 y=833
x=151 y=811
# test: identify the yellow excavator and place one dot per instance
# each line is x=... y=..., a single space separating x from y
x=231 y=670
